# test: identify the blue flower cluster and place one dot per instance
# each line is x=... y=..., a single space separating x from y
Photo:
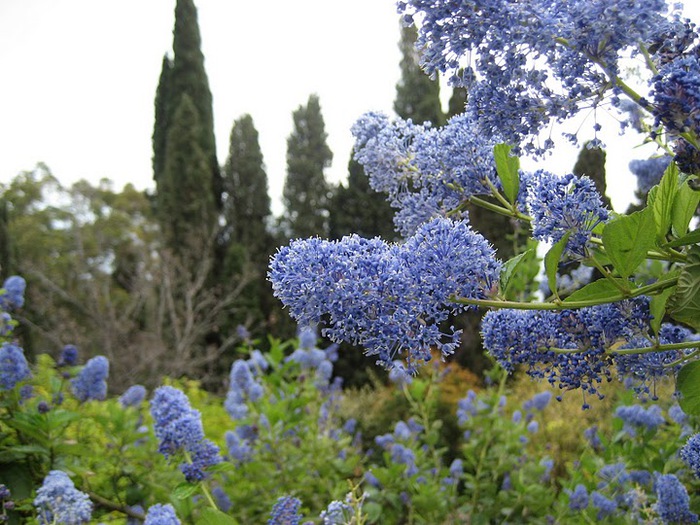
x=178 y=426
x=312 y=359
x=568 y=347
x=636 y=417
x=14 y=367
x=529 y=62
x=672 y=501
x=133 y=396
x=285 y=511
x=388 y=298
x=58 y=501
x=91 y=382
x=564 y=204
x=426 y=172
x=649 y=171
x=690 y=454
x=243 y=387
x=161 y=515
x=12 y=293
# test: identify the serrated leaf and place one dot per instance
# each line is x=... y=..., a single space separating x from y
x=657 y=308
x=662 y=205
x=210 y=516
x=507 y=168
x=692 y=238
x=603 y=290
x=684 y=206
x=688 y=385
x=627 y=240
x=684 y=305
x=510 y=267
x=551 y=261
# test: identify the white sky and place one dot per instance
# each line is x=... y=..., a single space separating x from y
x=79 y=79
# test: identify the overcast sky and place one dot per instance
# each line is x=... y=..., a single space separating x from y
x=79 y=79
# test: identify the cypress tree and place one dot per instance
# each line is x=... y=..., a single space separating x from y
x=357 y=208
x=591 y=162
x=417 y=96
x=185 y=75
x=185 y=199
x=306 y=192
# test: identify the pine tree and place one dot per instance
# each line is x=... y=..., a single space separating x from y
x=306 y=192
x=185 y=200
x=185 y=75
x=417 y=96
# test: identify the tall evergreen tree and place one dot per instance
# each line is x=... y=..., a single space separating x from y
x=185 y=200
x=417 y=96
x=591 y=162
x=185 y=75
x=357 y=208
x=306 y=192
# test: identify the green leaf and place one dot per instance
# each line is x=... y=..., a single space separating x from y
x=603 y=290
x=551 y=261
x=210 y=516
x=692 y=238
x=510 y=267
x=688 y=385
x=507 y=168
x=684 y=305
x=663 y=201
x=627 y=240
x=657 y=308
x=184 y=490
x=684 y=206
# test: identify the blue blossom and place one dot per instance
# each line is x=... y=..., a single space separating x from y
x=14 y=367
x=560 y=205
x=133 y=396
x=672 y=501
x=12 y=294
x=677 y=415
x=178 y=426
x=538 y=401
x=239 y=443
x=69 y=356
x=593 y=438
x=637 y=417
x=581 y=337
x=533 y=426
x=243 y=388
x=690 y=453
x=58 y=501
x=676 y=96
x=91 y=382
x=257 y=362
x=285 y=512
x=221 y=498
x=604 y=505
x=578 y=499
x=372 y=480
x=548 y=465
x=161 y=515
x=337 y=513
x=649 y=171
x=398 y=374
x=388 y=298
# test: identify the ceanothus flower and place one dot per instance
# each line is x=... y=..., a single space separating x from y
x=578 y=498
x=14 y=367
x=337 y=513
x=604 y=505
x=161 y=515
x=538 y=401
x=690 y=453
x=69 y=356
x=58 y=501
x=672 y=501
x=133 y=396
x=178 y=426
x=243 y=388
x=637 y=417
x=12 y=295
x=389 y=298
x=285 y=511
x=649 y=171
x=91 y=382
x=564 y=204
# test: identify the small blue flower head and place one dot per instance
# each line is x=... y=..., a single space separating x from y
x=578 y=499
x=91 y=382
x=161 y=515
x=593 y=438
x=58 y=501
x=337 y=513
x=69 y=356
x=538 y=401
x=13 y=366
x=178 y=426
x=133 y=396
x=243 y=388
x=690 y=454
x=398 y=374
x=649 y=171
x=12 y=294
x=285 y=512
x=604 y=505
x=307 y=337
x=637 y=417
x=677 y=415
x=221 y=498
x=672 y=501
x=533 y=426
